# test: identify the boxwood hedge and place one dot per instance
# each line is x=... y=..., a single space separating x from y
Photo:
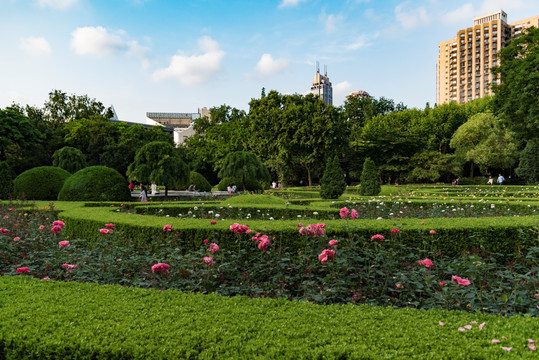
x=53 y=320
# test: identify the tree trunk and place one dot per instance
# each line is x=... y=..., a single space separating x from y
x=166 y=191
x=471 y=170
x=309 y=175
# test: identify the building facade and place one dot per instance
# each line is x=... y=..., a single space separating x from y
x=181 y=123
x=321 y=86
x=464 y=62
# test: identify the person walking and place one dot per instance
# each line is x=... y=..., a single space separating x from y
x=501 y=179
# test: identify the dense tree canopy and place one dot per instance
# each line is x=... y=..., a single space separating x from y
x=517 y=91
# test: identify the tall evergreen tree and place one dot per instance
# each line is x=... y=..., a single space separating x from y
x=370 y=181
x=332 y=184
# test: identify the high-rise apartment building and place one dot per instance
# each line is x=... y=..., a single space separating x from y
x=321 y=86
x=464 y=62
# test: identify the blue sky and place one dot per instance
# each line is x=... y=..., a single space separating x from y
x=177 y=56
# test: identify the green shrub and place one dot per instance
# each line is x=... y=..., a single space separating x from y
x=249 y=172
x=332 y=184
x=40 y=183
x=201 y=184
x=370 y=181
x=54 y=320
x=6 y=181
x=528 y=167
x=250 y=184
x=95 y=183
x=69 y=158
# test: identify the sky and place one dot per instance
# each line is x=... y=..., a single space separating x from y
x=178 y=56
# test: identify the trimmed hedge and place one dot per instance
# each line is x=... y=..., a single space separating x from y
x=40 y=183
x=46 y=319
x=95 y=183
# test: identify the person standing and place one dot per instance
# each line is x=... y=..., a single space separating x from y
x=501 y=179
x=131 y=186
x=490 y=180
x=143 y=192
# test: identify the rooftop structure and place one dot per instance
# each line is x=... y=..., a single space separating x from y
x=321 y=86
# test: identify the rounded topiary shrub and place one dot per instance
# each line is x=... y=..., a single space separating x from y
x=201 y=184
x=40 y=183
x=250 y=184
x=95 y=183
x=6 y=181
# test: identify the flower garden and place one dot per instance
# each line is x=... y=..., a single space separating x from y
x=424 y=271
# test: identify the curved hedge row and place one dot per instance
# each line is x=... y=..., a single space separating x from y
x=114 y=322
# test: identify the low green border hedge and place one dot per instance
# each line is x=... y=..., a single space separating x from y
x=53 y=320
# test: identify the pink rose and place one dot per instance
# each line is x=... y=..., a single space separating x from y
x=426 y=263
x=482 y=325
x=56 y=229
x=354 y=214
x=333 y=243
x=240 y=229
x=61 y=244
x=432 y=232
x=264 y=243
x=441 y=323
x=161 y=268
x=105 y=231
x=206 y=241
x=46 y=278
x=22 y=270
x=507 y=348
x=344 y=212
x=442 y=283
x=394 y=231
x=70 y=267
x=167 y=227
x=460 y=281
x=213 y=222
x=214 y=248
x=495 y=341
x=531 y=347
x=59 y=223
x=41 y=227
x=208 y=260
x=377 y=237
x=4 y=231
x=16 y=238
x=326 y=255
x=110 y=226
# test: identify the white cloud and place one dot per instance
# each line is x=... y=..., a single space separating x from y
x=340 y=91
x=411 y=18
x=330 y=21
x=267 y=66
x=488 y=6
x=194 y=69
x=35 y=46
x=289 y=3
x=101 y=42
x=361 y=42
x=57 y=4
x=460 y=14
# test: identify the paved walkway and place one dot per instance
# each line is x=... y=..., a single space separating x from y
x=178 y=193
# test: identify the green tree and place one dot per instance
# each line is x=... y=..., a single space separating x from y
x=61 y=108
x=69 y=158
x=370 y=180
x=430 y=166
x=332 y=184
x=482 y=141
x=6 y=181
x=528 y=167
x=158 y=163
x=18 y=135
x=516 y=87
x=245 y=167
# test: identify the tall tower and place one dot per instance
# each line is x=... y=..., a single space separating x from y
x=321 y=86
x=464 y=62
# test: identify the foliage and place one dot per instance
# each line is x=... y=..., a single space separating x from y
x=69 y=158
x=482 y=141
x=61 y=108
x=370 y=180
x=6 y=181
x=18 y=134
x=246 y=168
x=40 y=183
x=517 y=85
x=95 y=183
x=528 y=167
x=200 y=326
x=430 y=166
x=200 y=182
x=332 y=184
x=158 y=163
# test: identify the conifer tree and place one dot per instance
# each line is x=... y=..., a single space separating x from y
x=332 y=184
x=370 y=181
